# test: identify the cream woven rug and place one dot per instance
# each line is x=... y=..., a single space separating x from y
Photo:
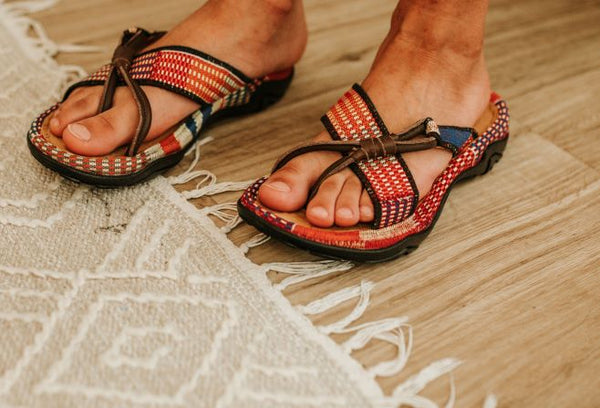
x=133 y=297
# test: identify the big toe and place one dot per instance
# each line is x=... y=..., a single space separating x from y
x=287 y=189
x=100 y=134
x=82 y=104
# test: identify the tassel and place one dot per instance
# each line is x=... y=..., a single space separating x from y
x=357 y=312
x=417 y=382
x=226 y=212
x=336 y=298
x=255 y=241
x=303 y=271
x=215 y=188
x=189 y=174
x=491 y=401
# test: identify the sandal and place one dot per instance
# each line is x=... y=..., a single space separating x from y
x=402 y=219
x=219 y=89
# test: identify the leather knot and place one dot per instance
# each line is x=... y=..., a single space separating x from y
x=132 y=42
x=374 y=148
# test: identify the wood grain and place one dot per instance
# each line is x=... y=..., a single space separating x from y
x=508 y=281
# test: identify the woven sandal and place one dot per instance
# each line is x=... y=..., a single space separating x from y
x=402 y=219
x=220 y=90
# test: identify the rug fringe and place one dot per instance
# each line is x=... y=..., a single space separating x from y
x=364 y=291
x=406 y=394
x=392 y=331
x=226 y=212
x=333 y=299
x=490 y=401
x=190 y=173
x=253 y=242
x=417 y=382
x=216 y=188
x=208 y=185
x=303 y=271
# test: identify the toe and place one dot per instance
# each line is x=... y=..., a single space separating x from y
x=79 y=106
x=320 y=211
x=347 y=208
x=103 y=133
x=287 y=189
x=366 y=211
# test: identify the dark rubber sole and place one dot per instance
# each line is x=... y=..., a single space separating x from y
x=266 y=95
x=490 y=157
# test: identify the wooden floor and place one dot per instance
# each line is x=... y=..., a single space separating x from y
x=509 y=281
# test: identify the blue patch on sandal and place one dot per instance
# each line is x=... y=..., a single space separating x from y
x=454 y=135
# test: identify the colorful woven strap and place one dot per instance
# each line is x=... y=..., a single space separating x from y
x=387 y=179
x=185 y=71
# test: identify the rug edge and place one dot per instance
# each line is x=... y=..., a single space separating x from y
x=355 y=371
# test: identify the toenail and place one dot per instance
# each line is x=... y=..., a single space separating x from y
x=366 y=211
x=80 y=132
x=54 y=123
x=279 y=186
x=345 y=213
x=319 y=212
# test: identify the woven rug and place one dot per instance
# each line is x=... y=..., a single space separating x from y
x=133 y=297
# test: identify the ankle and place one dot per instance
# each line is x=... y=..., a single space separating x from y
x=436 y=30
x=282 y=8
x=269 y=35
x=273 y=11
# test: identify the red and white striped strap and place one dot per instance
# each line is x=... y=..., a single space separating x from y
x=387 y=179
x=188 y=72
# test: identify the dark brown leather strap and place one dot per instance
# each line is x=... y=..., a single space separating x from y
x=422 y=136
x=372 y=149
x=132 y=42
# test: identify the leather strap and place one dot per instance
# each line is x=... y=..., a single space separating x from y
x=367 y=149
x=190 y=73
x=132 y=42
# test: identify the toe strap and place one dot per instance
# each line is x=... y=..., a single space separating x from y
x=197 y=76
x=368 y=148
x=182 y=70
x=354 y=152
x=386 y=178
x=132 y=42
x=375 y=154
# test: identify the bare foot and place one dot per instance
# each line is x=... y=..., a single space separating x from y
x=414 y=76
x=256 y=37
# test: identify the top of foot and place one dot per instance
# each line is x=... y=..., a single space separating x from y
x=269 y=36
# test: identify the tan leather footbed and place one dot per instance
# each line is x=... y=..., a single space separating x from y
x=299 y=217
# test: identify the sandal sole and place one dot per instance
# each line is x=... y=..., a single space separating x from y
x=266 y=95
x=490 y=157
